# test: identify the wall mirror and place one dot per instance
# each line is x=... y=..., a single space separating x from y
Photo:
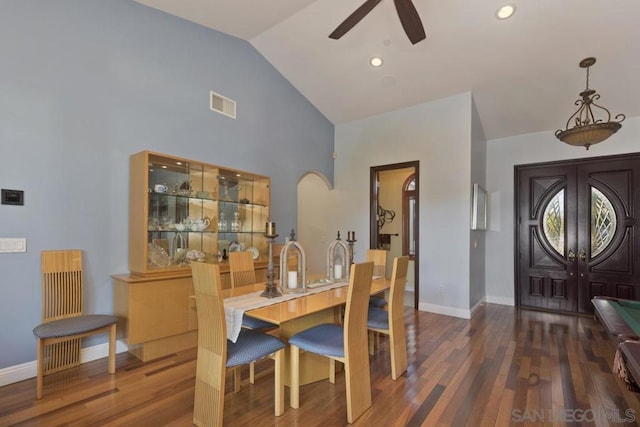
x=479 y=208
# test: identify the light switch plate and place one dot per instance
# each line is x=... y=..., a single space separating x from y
x=12 y=197
x=13 y=245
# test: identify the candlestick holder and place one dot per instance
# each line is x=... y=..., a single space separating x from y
x=351 y=239
x=271 y=289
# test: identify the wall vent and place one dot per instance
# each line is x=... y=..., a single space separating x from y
x=223 y=105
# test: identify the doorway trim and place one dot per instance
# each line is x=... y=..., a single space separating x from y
x=373 y=211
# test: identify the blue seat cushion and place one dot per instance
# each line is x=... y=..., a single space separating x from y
x=326 y=339
x=378 y=319
x=253 y=323
x=377 y=302
x=251 y=346
x=73 y=325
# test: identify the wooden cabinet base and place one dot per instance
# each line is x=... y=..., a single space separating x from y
x=156 y=313
x=158 y=348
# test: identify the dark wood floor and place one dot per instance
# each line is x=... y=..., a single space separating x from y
x=504 y=367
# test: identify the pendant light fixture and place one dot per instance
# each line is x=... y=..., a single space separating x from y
x=589 y=129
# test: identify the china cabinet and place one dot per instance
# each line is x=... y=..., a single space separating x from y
x=182 y=211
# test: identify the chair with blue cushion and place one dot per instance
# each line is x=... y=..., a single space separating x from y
x=391 y=321
x=64 y=323
x=346 y=343
x=242 y=273
x=379 y=259
x=216 y=353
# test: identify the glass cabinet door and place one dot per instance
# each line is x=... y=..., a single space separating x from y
x=183 y=211
x=243 y=210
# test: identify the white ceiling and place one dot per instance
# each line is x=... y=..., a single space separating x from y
x=523 y=72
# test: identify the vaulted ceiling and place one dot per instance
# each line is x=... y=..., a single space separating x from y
x=523 y=72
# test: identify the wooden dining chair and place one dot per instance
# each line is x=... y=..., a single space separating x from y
x=391 y=321
x=346 y=343
x=379 y=259
x=242 y=272
x=216 y=353
x=241 y=269
x=64 y=323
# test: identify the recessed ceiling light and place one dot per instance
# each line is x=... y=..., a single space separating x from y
x=376 y=61
x=506 y=11
x=179 y=163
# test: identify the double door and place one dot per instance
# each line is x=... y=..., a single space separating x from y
x=577 y=232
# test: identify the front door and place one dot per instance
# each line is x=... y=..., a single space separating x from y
x=576 y=232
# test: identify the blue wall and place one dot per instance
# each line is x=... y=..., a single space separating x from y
x=86 y=83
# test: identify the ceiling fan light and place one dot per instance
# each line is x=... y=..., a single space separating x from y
x=506 y=11
x=376 y=61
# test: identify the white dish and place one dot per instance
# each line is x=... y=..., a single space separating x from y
x=255 y=253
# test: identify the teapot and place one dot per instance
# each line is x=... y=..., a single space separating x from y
x=200 y=224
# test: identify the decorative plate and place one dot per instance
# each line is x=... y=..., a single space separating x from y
x=255 y=253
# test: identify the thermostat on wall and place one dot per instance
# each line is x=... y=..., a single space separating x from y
x=12 y=197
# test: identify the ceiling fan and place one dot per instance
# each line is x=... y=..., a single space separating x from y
x=407 y=13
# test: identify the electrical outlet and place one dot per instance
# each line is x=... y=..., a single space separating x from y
x=13 y=245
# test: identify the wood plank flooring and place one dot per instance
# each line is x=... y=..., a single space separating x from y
x=503 y=367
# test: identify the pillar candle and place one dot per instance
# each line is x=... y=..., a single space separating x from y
x=292 y=279
x=337 y=271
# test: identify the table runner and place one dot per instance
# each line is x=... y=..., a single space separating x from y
x=234 y=307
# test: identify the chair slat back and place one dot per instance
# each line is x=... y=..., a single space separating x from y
x=62 y=284
x=241 y=269
x=396 y=293
x=379 y=259
x=357 y=306
x=212 y=345
x=355 y=337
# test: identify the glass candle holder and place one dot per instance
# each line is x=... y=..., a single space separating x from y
x=337 y=258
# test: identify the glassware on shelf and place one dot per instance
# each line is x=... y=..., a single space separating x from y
x=236 y=224
x=222 y=223
x=180 y=197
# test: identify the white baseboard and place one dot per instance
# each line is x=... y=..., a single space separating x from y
x=500 y=300
x=476 y=307
x=24 y=371
x=461 y=312
x=448 y=311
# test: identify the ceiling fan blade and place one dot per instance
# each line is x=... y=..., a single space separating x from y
x=353 y=19
x=410 y=20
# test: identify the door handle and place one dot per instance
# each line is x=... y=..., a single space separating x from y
x=571 y=256
x=583 y=255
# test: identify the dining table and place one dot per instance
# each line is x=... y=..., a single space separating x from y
x=300 y=312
